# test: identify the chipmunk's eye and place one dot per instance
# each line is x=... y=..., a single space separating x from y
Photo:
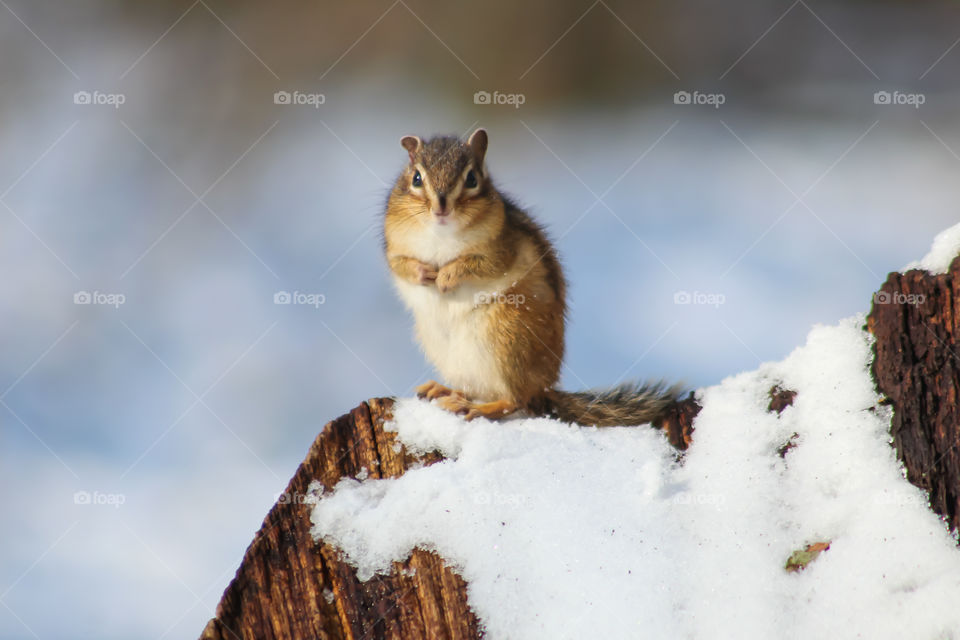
x=417 y=179
x=470 y=182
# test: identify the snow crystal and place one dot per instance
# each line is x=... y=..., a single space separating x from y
x=563 y=531
x=946 y=247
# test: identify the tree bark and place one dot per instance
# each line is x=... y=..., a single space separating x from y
x=916 y=322
x=677 y=422
x=289 y=587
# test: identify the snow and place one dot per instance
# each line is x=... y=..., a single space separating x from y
x=570 y=532
x=946 y=247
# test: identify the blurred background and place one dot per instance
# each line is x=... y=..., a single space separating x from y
x=717 y=179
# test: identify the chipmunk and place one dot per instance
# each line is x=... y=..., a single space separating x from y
x=487 y=293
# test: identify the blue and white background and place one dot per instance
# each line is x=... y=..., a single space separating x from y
x=716 y=180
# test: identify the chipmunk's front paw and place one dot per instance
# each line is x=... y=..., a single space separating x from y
x=432 y=389
x=426 y=274
x=447 y=280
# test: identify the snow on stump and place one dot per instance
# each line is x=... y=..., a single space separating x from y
x=288 y=586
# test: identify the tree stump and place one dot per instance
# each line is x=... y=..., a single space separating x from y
x=289 y=587
x=915 y=321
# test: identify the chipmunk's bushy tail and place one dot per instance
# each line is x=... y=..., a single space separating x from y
x=624 y=405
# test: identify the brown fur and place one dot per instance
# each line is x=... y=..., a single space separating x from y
x=626 y=404
x=497 y=239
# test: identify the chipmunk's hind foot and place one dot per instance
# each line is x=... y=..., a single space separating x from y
x=432 y=390
x=458 y=403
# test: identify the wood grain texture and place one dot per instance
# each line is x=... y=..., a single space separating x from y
x=290 y=587
x=915 y=322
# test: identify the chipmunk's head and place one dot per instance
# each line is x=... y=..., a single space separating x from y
x=445 y=183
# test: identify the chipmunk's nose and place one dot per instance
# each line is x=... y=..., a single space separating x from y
x=442 y=202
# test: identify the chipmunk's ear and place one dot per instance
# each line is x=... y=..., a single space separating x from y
x=478 y=144
x=411 y=144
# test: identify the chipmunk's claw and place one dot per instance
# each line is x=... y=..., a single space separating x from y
x=432 y=390
x=460 y=404
x=455 y=402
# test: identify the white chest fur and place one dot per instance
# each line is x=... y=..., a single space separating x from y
x=454 y=333
x=439 y=244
